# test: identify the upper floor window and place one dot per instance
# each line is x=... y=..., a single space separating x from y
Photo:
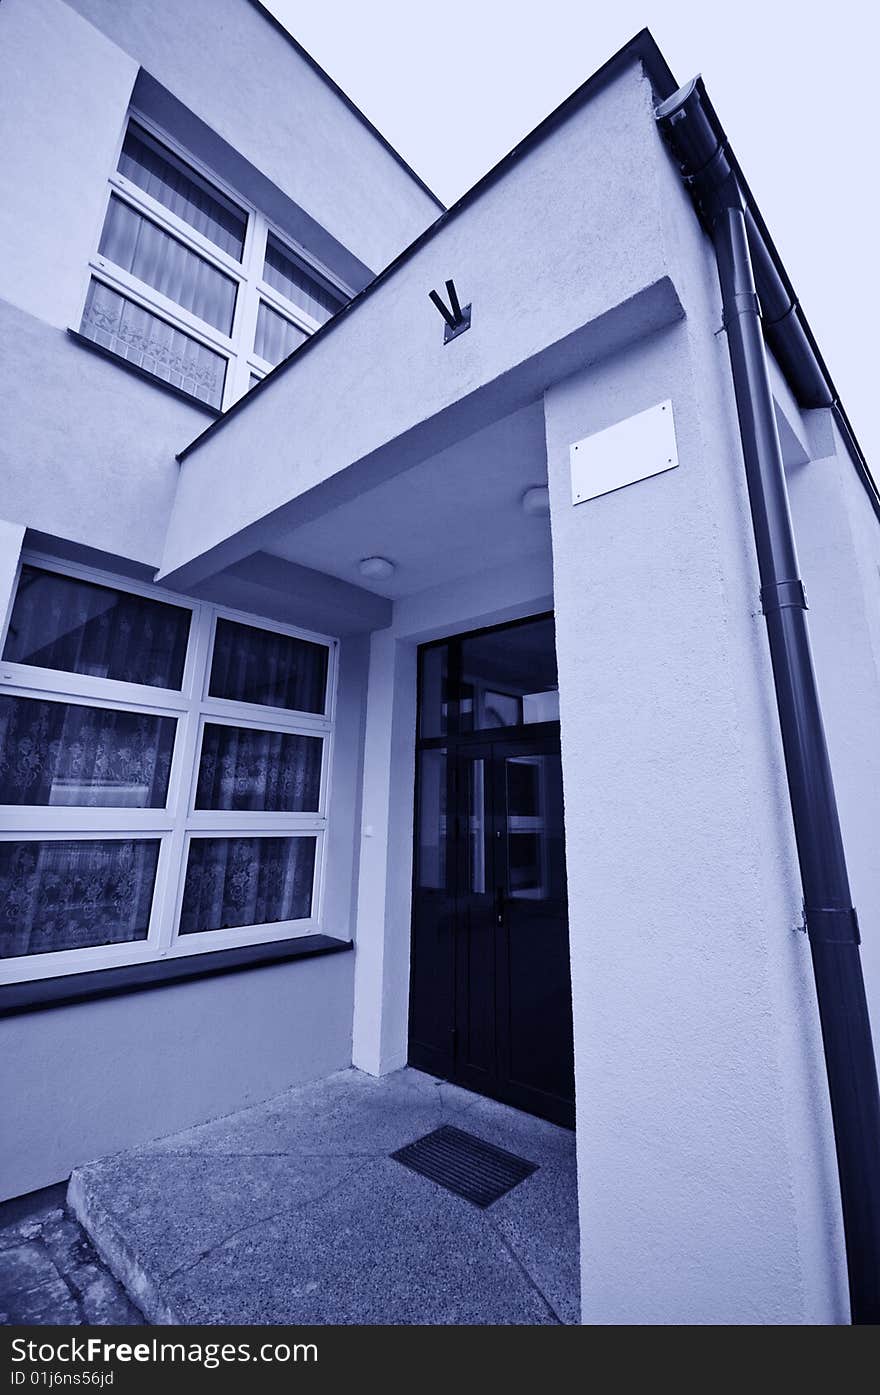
x=191 y=284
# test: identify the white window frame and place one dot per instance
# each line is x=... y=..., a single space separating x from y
x=179 y=821
x=237 y=348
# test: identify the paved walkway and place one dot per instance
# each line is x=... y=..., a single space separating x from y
x=49 y=1272
x=294 y=1212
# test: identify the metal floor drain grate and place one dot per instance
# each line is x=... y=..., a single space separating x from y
x=466 y=1165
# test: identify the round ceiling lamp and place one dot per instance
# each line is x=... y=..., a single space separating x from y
x=376 y=568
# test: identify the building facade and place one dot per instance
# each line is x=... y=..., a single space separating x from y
x=377 y=690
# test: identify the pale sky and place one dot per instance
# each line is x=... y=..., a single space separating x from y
x=454 y=86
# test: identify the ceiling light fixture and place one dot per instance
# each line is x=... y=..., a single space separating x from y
x=376 y=568
x=536 y=500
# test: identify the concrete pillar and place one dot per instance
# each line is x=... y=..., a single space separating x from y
x=379 y=1038
x=707 y=1184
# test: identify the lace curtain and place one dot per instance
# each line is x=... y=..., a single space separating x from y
x=258 y=771
x=147 y=341
x=67 y=894
x=64 y=753
x=247 y=881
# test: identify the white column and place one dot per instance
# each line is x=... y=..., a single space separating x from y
x=379 y=1040
x=707 y=1184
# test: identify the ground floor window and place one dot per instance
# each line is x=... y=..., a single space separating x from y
x=163 y=775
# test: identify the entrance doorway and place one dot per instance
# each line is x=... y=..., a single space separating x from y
x=490 y=988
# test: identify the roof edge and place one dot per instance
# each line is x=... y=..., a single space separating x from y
x=344 y=97
x=641 y=48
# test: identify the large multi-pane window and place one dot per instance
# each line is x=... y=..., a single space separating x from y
x=163 y=775
x=190 y=283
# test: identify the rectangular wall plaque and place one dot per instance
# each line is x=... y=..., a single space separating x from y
x=631 y=450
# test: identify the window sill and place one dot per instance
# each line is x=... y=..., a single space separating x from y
x=143 y=373
x=42 y=993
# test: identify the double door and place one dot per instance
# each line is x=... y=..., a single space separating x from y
x=490 y=987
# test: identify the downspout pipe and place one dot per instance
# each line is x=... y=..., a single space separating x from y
x=700 y=148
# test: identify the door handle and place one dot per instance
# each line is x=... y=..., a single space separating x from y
x=500 y=899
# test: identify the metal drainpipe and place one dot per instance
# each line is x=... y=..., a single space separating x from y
x=700 y=148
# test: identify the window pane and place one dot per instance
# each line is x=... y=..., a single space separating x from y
x=276 y=337
x=151 y=343
x=64 y=753
x=168 y=180
x=299 y=283
x=271 y=771
x=252 y=665
x=62 y=894
x=509 y=677
x=152 y=255
x=247 y=881
x=60 y=622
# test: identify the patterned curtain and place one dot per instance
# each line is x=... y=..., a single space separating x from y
x=151 y=343
x=67 y=894
x=247 y=881
x=258 y=771
x=64 y=753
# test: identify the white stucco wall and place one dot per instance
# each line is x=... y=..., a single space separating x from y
x=87 y=450
x=84 y=1081
x=381 y=389
x=707 y=1178
x=62 y=106
x=838 y=539
x=230 y=65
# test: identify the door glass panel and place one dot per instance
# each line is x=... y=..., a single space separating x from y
x=431 y=868
x=535 y=835
x=477 y=826
x=509 y=677
x=433 y=697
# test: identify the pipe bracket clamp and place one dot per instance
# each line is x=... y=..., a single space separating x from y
x=833 y=926
x=784 y=594
x=744 y=303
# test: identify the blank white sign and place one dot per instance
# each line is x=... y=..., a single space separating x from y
x=631 y=450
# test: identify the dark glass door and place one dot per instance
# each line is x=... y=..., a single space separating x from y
x=491 y=993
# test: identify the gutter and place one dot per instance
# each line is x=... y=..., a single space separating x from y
x=754 y=290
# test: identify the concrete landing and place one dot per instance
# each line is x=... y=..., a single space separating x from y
x=293 y=1212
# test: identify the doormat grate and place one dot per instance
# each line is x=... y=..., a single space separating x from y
x=466 y=1165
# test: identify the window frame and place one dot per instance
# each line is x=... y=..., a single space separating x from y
x=179 y=821
x=237 y=348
